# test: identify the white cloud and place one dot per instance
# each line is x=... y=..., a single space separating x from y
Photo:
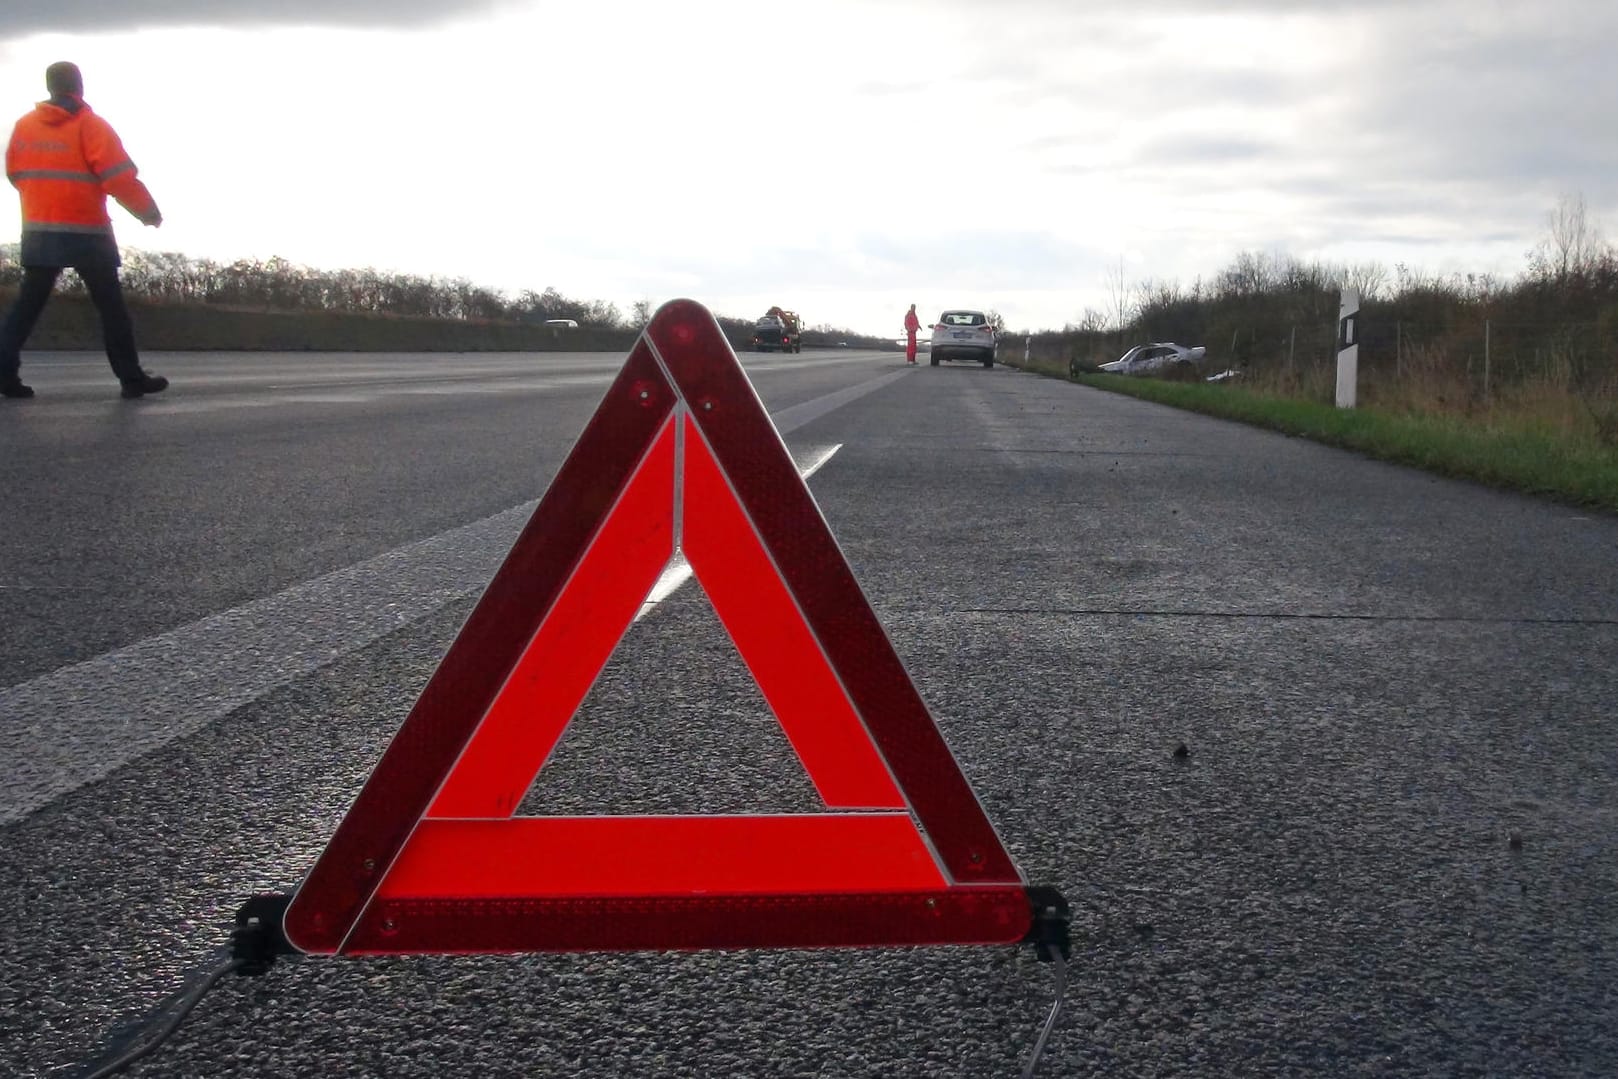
x=847 y=157
x=95 y=16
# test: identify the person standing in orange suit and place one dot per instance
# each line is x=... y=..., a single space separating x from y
x=912 y=327
x=64 y=161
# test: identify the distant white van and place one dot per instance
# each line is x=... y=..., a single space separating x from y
x=562 y=323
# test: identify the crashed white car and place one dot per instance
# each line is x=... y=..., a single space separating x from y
x=1154 y=359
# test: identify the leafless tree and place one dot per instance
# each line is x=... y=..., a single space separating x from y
x=1120 y=308
x=1093 y=322
x=1251 y=274
x=1367 y=278
x=1572 y=245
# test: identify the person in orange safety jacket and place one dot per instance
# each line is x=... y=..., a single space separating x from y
x=64 y=161
x=912 y=327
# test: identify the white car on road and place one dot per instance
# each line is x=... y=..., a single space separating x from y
x=1153 y=359
x=963 y=335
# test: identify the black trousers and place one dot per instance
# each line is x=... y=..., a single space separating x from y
x=117 y=329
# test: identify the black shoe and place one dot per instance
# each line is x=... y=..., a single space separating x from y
x=145 y=384
x=14 y=388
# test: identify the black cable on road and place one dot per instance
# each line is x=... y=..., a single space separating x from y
x=165 y=1021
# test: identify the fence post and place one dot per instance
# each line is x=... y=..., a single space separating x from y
x=1292 y=351
x=1399 y=349
x=1485 y=359
x=1027 y=349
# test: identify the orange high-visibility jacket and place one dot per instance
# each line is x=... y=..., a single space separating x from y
x=912 y=323
x=65 y=161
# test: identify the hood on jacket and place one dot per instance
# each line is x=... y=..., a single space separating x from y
x=59 y=110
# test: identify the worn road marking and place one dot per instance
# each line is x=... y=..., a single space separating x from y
x=78 y=724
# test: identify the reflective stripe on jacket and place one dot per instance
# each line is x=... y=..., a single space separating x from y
x=65 y=160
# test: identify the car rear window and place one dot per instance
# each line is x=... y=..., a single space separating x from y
x=962 y=318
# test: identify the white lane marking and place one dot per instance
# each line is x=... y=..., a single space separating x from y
x=679 y=570
x=364 y=394
x=77 y=724
x=176 y=402
x=73 y=726
x=791 y=418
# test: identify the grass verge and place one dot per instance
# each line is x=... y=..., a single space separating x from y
x=1534 y=463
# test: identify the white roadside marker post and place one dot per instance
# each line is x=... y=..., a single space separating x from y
x=1348 y=348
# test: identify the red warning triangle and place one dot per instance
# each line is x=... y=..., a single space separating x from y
x=680 y=455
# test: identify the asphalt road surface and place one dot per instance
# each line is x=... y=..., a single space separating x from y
x=1390 y=851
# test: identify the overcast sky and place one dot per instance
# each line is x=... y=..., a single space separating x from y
x=844 y=157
